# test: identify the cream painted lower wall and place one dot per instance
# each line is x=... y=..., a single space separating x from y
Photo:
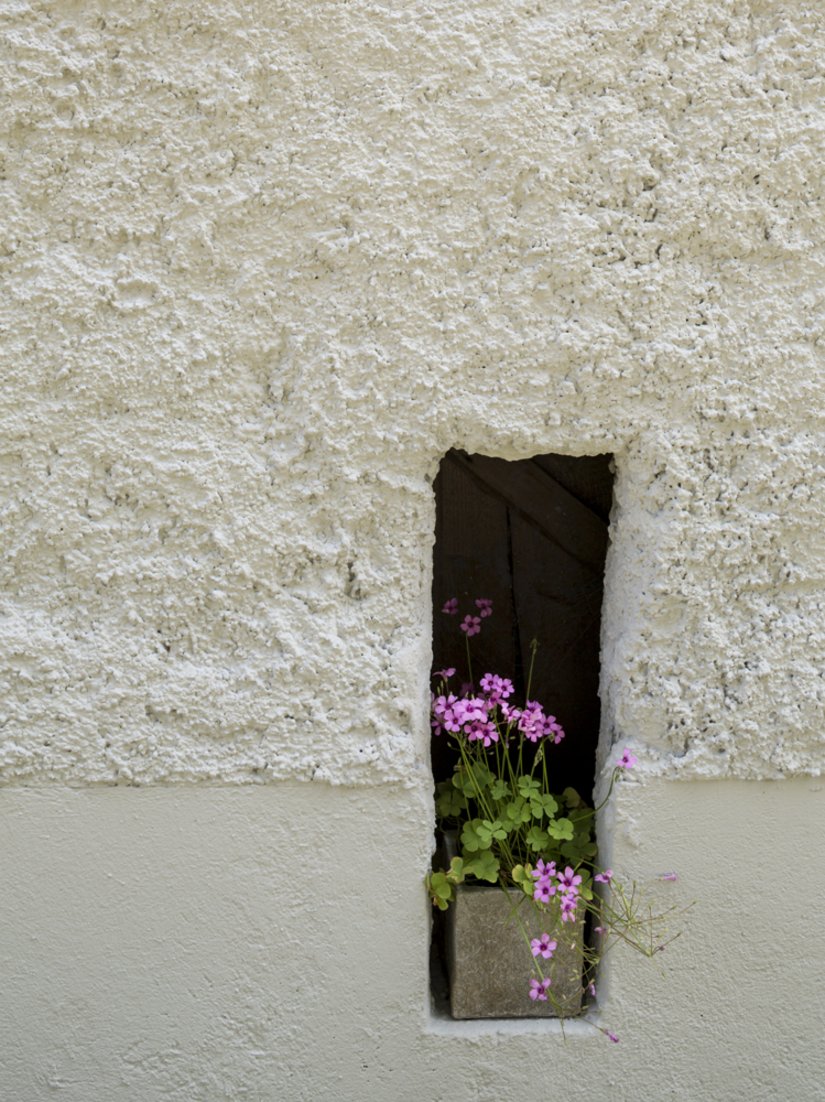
x=270 y=943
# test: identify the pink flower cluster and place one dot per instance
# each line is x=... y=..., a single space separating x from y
x=470 y=625
x=497 y=688
x=549 y=881
x=544 y=947
x=475 y=716
x=533 y=723
x=464 y=715
x=469 y=716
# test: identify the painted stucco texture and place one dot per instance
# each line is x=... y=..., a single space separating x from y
x=197 y=944
x=264 y=264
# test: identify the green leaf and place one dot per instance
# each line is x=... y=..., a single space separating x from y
x=499 y=789
x=440 y=889
x=484 y=867
x=483 y=777
x=449 y=802
x=550 y=805
x=472 y=837
x=543 y=805
x=479 y=834
x=456 y=873
x=578 y=850
x=561 y=829
x=496 y=829
x=528 y=787
x=536 y=838
x=463 y=783
x=572 y=799
x=520 y=874
x=517 y=811
x=521 y=877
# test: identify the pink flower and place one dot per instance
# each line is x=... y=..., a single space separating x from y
x=568 y=881
x=485 y=606
x=497 y=688
x=443 y=707
x=534 y=724
x=538 y=990
x=612 y=1037
x=668 y=876
x=543 y=873
x=568 y=908
x=604 y=877
x=543 y=946
x=482 y=731
x=626 y=761
x=553 y=730
x=591 y=990
x=543 y=870
x=451 y=606
x=544 y=891
x=472 y=625
x=512 y=715
x=450 y=670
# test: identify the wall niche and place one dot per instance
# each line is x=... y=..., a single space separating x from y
x=531 y=535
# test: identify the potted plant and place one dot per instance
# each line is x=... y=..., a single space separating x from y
x=529 y=912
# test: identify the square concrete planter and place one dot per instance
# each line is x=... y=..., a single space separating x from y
x=489 y=961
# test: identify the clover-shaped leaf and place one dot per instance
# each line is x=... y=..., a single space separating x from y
x=572 y=799
x=456 y=873
x=463 y=782
x=498 y=789
x=543 y=805
x=561 y=829
x=536 y=838
x=521 y=876
x=496 y=829
x=440 y=889
x=517 y=811
x=578 y=850
x=474 y=837
x=484 y=867
x=449 y=802
x=528 y=787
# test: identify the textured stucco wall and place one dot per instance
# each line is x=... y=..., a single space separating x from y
x=262 y=266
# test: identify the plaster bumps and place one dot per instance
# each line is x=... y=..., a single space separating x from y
x=263 y=267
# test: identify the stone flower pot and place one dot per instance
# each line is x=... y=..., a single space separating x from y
x=489 y=960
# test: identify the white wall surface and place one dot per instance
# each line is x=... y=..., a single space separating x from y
x=262 y=266
x=265 y=943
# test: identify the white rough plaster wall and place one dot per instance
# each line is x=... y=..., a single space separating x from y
x=262 y=266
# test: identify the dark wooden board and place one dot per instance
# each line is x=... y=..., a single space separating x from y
x=531 y=535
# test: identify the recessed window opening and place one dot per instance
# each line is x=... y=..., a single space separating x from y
x=530 y=536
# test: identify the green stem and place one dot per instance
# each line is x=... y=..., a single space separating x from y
x=469 y=660
x=610 y=789
x=534 y=646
